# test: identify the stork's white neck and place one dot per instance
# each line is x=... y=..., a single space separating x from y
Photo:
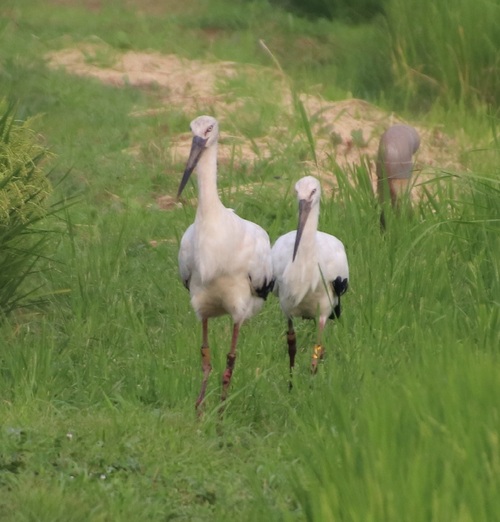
x=208 y=197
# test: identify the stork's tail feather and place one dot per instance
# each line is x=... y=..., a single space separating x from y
x=337 y=310
x=265 y=289
x=340 y=287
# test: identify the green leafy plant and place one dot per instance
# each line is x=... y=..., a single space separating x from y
x=24 y=189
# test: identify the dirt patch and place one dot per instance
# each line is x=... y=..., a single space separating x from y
x=187 y=83
x=347 y=131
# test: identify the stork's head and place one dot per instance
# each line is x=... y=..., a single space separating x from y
x=205 y=131
x=308 y=192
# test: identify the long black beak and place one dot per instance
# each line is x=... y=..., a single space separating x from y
x=197 y=148
x=304 y=209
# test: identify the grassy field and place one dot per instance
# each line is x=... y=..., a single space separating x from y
x=98 y=383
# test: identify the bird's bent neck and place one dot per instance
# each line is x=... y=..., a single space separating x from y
x=208 y=197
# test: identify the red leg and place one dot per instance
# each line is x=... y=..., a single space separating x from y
x=231 y=357
x=205 y=364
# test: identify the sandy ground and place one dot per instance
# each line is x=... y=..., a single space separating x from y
x=348 y=130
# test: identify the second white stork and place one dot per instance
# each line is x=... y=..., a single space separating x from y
x=224 y=260
x=310 y=269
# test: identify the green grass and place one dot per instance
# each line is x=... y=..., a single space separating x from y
x=452 y=58
x=97 y=387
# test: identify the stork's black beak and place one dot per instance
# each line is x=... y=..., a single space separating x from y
x=197 y=148
x=304 y=210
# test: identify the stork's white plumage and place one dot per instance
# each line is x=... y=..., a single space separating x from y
x=224 y=260
x=310 y=270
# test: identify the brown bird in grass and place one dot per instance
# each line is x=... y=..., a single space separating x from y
x=395 y=164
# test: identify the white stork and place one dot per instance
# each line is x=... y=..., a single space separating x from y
x=224 y=261
x=310 y=270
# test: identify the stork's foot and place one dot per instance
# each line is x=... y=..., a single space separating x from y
x=207 y=368
x=226 y=381
x=228 y=373
x=200 y=406
x=318 y=354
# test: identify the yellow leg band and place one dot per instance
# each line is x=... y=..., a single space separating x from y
x=317 y=351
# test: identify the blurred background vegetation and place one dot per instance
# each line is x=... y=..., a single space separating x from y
x=424 y=51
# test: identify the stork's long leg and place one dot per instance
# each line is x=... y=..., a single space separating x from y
x=231 y=358
x=292 y=349
x=318 y=350
x=205 y=364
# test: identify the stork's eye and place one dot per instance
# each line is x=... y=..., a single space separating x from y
x=209 y=130
x=313 y=192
